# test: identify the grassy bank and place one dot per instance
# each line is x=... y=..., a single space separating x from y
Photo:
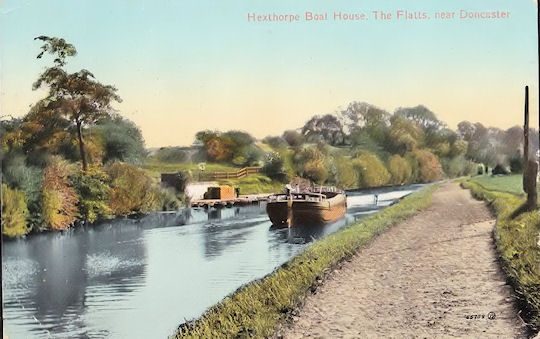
x=256 y=309
x=155 y=168
x=516 y=239
x=255 y=183
x=506 y=183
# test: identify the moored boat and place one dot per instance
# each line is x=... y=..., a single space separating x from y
x=306 y=208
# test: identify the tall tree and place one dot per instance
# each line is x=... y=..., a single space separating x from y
x=78 y=96
x=326 y=128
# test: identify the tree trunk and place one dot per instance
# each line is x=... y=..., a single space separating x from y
x=81 y=146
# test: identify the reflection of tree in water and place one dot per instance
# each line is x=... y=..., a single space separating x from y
x=60 y=281
x=219 y=236
x=178 y=218
x=306 y=234
x=69 y=263
x=120 y=252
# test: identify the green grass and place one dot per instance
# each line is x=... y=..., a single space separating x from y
x=516 y=239
x=255 y=309
x=504 y=183
x=256 y=183
x=155 y=168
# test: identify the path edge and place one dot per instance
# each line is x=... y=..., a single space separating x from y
x=528 y=310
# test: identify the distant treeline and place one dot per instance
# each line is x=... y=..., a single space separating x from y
x=365 y=146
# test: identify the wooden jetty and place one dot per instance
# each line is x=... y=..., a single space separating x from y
x=226 y=196
x=241 y=200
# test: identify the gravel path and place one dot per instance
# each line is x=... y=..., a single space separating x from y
x=436 y=275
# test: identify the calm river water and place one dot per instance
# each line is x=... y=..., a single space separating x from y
x=142 y=278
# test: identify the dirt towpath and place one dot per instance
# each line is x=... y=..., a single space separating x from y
x=435 y=275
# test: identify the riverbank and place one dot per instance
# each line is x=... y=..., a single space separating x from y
x=257 y=308
x=517 y=241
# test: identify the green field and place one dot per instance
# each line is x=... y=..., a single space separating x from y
x=504 y=183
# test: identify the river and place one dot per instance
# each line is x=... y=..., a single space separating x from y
x=142 y=278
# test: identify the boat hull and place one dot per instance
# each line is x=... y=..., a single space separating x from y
x=306 y=213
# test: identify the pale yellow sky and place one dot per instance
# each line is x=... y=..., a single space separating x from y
x=185 y=66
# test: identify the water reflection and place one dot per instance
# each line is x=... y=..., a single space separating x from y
x=140 y=278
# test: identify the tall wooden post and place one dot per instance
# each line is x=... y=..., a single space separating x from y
x=531 y=166
x=526 y=131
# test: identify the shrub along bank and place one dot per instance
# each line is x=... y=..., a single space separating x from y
x=255 y=309
x=516 y=239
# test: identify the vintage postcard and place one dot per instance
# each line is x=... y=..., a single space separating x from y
x=280 y=169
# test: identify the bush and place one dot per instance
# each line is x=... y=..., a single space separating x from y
x=28 y=179
x=14 y=212
x=315 y=171
x=425 y=165
x=254 y=156
x=60 y=200
x=171 y=155
x=219 y=149
x=239 y=161
x=346 y=175
x=275 y=142
x=371 y=171
x=177 y=181
x=274 y=167
x=132 y=190
x=170 y=201
x=400 y=170
x=458 y=166
x=93 y=190
x=499 y=169
x=121 y=139
x=293 y=138
x=311 y=164
x=516 y=163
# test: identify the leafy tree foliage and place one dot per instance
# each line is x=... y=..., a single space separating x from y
x=371 y=170
x=400 y=170
x=458 y=166
x=93 y=190
x=311 y=163
x=274 y=166
x=121 y=140
x=132 y=190
x=344 y=173
x=420 y=114
x=293 y=138
x=405 y=135
x=363 y=115
x=28 y=179
x=425 y=165
x=325 y=128
x=77 y=97
x=42 y=130
x=59 y=198
x=516 y=163
x=14 y=212
x=275 y=142
x=171 y=154
x=229 y=146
